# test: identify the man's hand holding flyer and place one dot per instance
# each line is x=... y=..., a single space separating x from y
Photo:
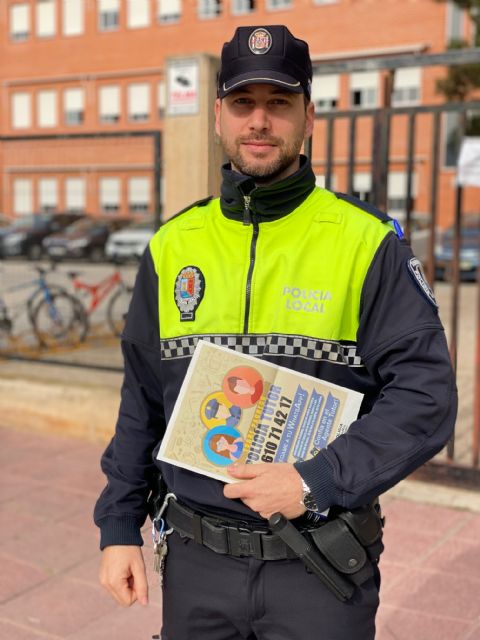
x=234 y=407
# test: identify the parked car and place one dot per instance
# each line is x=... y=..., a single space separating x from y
x=129 y=243
x=85 y=238
x=469 y=251
x=25 y=236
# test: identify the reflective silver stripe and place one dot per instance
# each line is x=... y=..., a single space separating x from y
x=272 y=345
x=235 y=84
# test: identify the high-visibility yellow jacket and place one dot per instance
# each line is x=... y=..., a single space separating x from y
x=302 y=277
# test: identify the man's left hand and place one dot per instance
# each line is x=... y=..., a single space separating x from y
x=267 y=488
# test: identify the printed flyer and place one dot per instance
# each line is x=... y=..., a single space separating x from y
x=234 y=407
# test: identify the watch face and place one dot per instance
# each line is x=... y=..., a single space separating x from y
x=309 y=502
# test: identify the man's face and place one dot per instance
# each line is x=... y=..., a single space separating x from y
x=262 y=129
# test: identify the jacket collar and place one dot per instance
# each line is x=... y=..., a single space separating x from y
x=266 y=203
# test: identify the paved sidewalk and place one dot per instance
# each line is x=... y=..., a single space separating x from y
x=49 y=556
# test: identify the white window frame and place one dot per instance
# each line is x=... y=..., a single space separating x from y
x=366 y=84
x=19 y=22
x=47 y=194
x=21 y=110
x=243 y=7
x=73 y=17
x=139 y=197
x=322 y=2
x=138 y=18
x=110 y=194
x=278 y=5
x=362 y=185
x=73 y=106
x=161 y=98
x=47 y=116
x=321 y=178
x=46 y=18
x=397 y=189
x=209 y=9
x=407 y=87
x=106 y=93
x=75 y=194
x=108 y=15
x=169 y=11
x=325 y=91
x=139 y=93
x=455 y=22
x=22 y=196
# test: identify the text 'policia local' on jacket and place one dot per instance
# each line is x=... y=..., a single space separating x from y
x=306 y=279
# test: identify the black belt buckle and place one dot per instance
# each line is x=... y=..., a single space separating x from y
x=244 y=542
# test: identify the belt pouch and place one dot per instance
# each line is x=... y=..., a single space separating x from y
x=340 y=547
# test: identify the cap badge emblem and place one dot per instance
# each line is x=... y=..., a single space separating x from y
x=260 y=41
x=189 y=290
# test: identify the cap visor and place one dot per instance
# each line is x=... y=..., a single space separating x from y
x=260 y=77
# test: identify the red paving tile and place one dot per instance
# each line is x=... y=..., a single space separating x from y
x=50 y=506
x=10 y=631
x=61 y=607
x=12 y=484
x=17 y=576
x=405 y=546
x=471 y=529
x=396 y=624
x=402 y=513
x=461 y=557
x=435 y=593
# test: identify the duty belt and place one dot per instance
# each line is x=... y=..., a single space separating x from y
x=228 y=538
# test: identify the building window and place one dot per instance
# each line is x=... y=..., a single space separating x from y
x=325 y=91
x=455 y=22
x=139 y=195
x=47 y=194
x=19 y=22
x=362 y=186
x=47 y=108
x=46 y=18
x=73 y=17
x=110 y=195
x=169 y=10
x=320 y=181
x=138 y=13
x=364 y=89
x=209 y=8
x=278 y=4
x=22 y=197
x=161 y=99
x=73 y=106
x=21 y=110
x=75 y=194
x=139 y=102
x=455 y=128
x=109 y=104
x=319 y=2
x=406 y=87
x=397 y=192
x=242 y=7
x=108 y=14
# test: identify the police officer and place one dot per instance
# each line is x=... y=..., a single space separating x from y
x=308 y=279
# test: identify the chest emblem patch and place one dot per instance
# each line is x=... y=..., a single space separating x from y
x=189 y=291
x=416 y=271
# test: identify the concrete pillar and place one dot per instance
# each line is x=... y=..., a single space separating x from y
x=192 y=154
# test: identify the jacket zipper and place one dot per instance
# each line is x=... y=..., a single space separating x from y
x=247 y=218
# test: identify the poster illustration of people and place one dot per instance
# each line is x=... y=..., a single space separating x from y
x=237 y=408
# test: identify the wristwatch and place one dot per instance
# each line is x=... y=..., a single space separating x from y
x=308 y=501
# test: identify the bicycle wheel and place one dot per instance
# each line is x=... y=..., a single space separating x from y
x=59 y=320
x=117 y=310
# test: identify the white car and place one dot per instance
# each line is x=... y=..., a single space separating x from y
x=129 y=243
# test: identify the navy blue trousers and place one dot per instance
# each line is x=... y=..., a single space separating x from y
x=208 y=596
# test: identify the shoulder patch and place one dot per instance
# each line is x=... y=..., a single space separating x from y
x=198 y=203
x=415 y=269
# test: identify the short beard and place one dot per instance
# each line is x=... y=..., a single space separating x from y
x=268 y=173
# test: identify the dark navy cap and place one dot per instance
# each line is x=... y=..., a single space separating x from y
x=265 y=55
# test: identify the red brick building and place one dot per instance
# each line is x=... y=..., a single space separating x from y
x=98 y=66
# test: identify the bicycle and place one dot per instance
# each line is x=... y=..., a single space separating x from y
x=118 y=304
x=53 y=314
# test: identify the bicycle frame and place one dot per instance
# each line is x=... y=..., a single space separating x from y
x=97 y=292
